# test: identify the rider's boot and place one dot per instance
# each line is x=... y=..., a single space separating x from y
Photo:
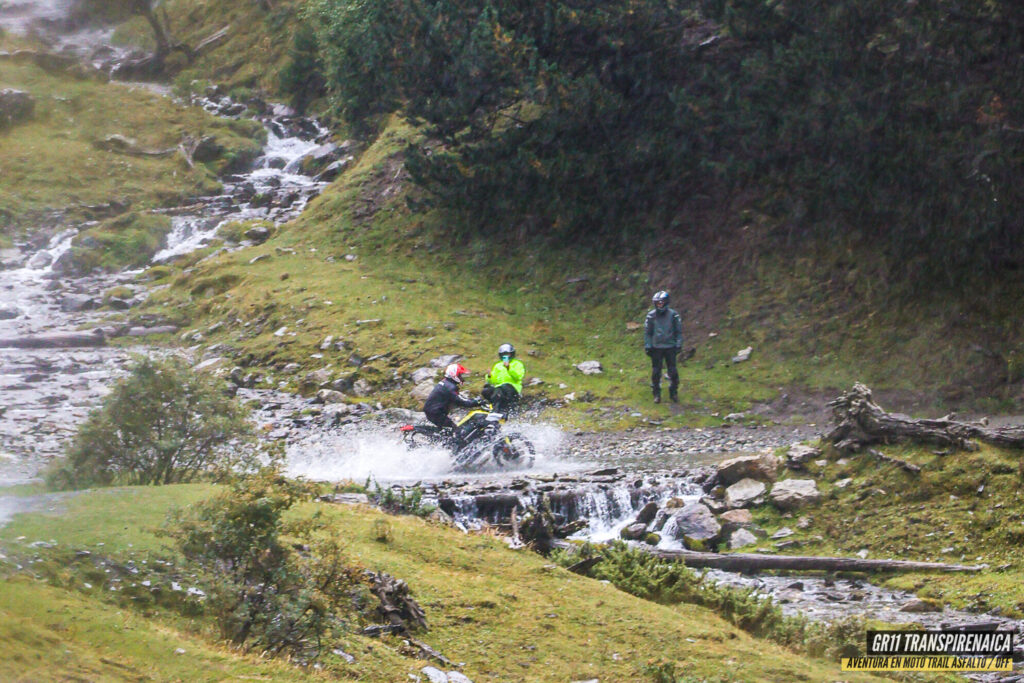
x=673 y=396
x=657 y=394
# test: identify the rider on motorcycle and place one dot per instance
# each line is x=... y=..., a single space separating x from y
x=505 y=380
x=445 y=395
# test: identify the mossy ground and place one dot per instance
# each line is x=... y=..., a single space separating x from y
x=963 y=508
x=50 y=162
x=508 y=615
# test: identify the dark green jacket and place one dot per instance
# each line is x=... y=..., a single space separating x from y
x=663 y=329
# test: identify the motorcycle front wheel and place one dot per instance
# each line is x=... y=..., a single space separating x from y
x=514 y=451
x=470 y=458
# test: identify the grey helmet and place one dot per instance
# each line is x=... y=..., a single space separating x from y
x=506 y=350
x=660 y=297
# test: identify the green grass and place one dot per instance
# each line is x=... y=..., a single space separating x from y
x=51 y=162
x=128 y=241
x=939 y=515
x=510 y=616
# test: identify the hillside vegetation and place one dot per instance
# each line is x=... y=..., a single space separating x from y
x=505 y=615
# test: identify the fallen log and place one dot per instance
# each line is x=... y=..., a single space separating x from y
x=755 y=562
x=57 y=340
x=861 y=422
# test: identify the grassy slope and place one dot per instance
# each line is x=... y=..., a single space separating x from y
x=818 y=317
x=962 y=508
x=508 y=615
x=50 y=162
x=250 y=57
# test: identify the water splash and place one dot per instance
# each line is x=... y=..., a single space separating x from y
x=375 y=450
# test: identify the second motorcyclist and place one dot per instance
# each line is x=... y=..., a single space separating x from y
x=446 y=395
x=505 y=380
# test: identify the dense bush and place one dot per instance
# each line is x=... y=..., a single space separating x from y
x=265 y=595
x=162 y=424
x=902 y=123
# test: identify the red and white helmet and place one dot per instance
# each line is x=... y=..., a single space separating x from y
x=455 y=371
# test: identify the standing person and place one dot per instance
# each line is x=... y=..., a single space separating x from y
x=505 y=380
x=663 y=339
x=445 y=395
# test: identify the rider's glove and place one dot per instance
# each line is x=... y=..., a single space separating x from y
x=648 y=351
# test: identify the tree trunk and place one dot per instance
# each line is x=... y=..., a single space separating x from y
x=860 y=422
x=163 y=42
x=754 y=562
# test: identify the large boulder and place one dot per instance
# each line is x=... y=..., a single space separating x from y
x=16 y=106
x=745 y=493
x=800 y=454
x=422 y=390
x=740 y=538
x=791 y=494
x=73 y=303
x=423 y=375
x=763 y=467
x=695 y=526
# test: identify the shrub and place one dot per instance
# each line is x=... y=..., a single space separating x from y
x=264 y=594
x=162 y=424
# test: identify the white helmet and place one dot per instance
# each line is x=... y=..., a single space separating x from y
x=455 y=372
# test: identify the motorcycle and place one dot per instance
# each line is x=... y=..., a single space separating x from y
x=481 y=441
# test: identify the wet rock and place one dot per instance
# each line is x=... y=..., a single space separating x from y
x=258 y=234
x=784 y=532
x=647 y=513
x=40 y=260
x=792 y=494
x=444 y=361
x=633 y=532
x=207 y=149
x=741 y=538
x=696 y=526
x=291 y=368
x=119 y=304
x=9 y=312
x=458 y=677
x=919 y=606
x=334 y=169
x=763 y=467
x=73 y=303
x=16 y=106
x=146 y=331
x=716 y=505
x=590 y=367
x=745 y=493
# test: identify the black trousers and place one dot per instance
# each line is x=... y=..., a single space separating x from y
x=441 y=420
x=668 y=356
x=504 y=397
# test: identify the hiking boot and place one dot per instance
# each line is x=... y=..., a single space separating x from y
x=657 y=395
x=674 y=397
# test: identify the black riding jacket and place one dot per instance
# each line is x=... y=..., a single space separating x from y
x=443 y=397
